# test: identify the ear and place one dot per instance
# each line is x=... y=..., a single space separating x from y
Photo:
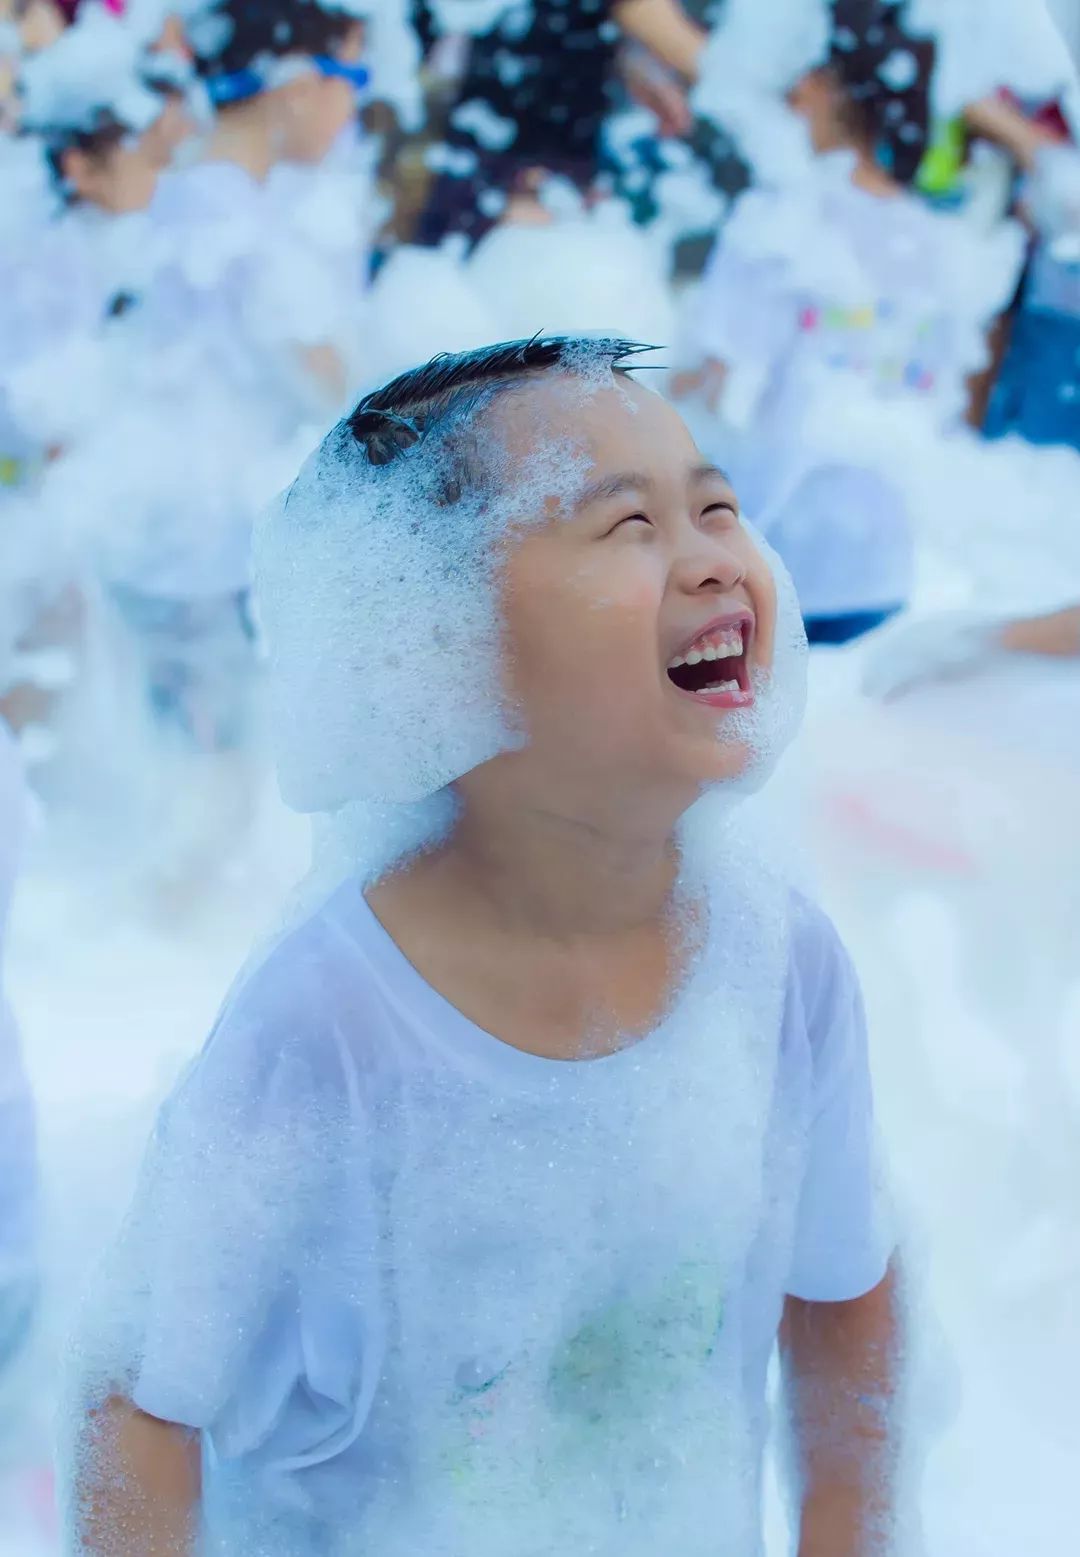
x=77 y=169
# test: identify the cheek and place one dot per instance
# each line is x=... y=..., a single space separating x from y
x=583 y=632
x=330 y=114
x=762 y=589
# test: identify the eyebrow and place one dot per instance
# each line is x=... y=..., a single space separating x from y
x=613 y=486
x=634 y=481
x=701 y=472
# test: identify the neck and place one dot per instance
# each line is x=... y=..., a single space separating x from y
x=559 y=876
x=868 y=174
x=243 y=135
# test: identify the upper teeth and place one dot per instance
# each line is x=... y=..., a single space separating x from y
x=722 y=645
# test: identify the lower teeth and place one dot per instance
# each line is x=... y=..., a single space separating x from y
x=722 y=686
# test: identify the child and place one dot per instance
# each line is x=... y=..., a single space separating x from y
x=837 y=303
x=224 y=343
x=532 y=102
x=248 y=330
x=79 y=176
x=473 y=1226
x=285 y=154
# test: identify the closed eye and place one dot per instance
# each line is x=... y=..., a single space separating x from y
x=630 y=519
x=721 y=508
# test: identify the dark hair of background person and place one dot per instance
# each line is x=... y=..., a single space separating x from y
x=103 y=137
x=274 y=27
x=892 y=122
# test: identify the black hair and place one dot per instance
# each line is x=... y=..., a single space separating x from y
x=251 y=28
x=446 y=392
x=891 y=120
x=102 y=137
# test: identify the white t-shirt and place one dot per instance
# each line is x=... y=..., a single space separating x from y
x=426 y=1292
x=202 y=401
x=202 y=404
x=833 y=308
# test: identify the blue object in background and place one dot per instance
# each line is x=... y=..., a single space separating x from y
x=1037 y=393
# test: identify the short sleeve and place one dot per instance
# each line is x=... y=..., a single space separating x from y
x=842 y=1241
x=212 y=1234
x=236 y=1299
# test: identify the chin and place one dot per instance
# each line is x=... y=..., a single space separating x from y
x=723 y=764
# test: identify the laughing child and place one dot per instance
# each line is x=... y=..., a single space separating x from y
x=476 y=1223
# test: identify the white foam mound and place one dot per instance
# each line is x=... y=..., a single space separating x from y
x=983 y=45
x=753 y=56
x=93 y=66
x=422 y=302
x=581 y=274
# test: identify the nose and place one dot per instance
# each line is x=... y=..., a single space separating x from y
x=707 y=564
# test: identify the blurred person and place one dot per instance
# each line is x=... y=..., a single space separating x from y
x=824 y=302
x=79 y=178
x=285 y=84
x=532 y=102
x=1036 y=389
x=239 y=328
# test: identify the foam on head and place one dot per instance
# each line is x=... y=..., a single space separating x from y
x=92 y=74
x=378 y=586
x=376 y=580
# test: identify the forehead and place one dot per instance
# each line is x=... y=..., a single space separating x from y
x=598 y=429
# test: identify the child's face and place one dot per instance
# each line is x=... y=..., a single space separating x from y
x=119 y=179
x=816 y=98
x=40 y=23
x=635 y=618
x=320 y=107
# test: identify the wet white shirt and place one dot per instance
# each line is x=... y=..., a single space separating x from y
x=425 y=1292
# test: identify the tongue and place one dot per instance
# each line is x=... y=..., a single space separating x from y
x=709 y=673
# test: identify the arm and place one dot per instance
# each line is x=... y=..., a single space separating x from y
x=936 y=648
x=652 y=86
x=997 y=120
x=1057 y=634
x=324 y=368
x=137 y=1489
x=841 y=1366
x=665 y=30
x=707 y=380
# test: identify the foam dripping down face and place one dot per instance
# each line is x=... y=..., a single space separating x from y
x=593 y=607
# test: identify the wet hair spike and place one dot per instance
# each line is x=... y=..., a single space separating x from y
x=391 y=419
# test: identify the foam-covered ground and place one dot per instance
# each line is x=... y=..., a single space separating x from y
x=952 y=865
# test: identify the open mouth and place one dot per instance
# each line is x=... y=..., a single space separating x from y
x=713 y=667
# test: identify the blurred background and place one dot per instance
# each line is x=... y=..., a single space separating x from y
x=853 y=227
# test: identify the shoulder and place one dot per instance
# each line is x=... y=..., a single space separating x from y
x=281 y=1048
x=823 y=989
x=818 y=954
